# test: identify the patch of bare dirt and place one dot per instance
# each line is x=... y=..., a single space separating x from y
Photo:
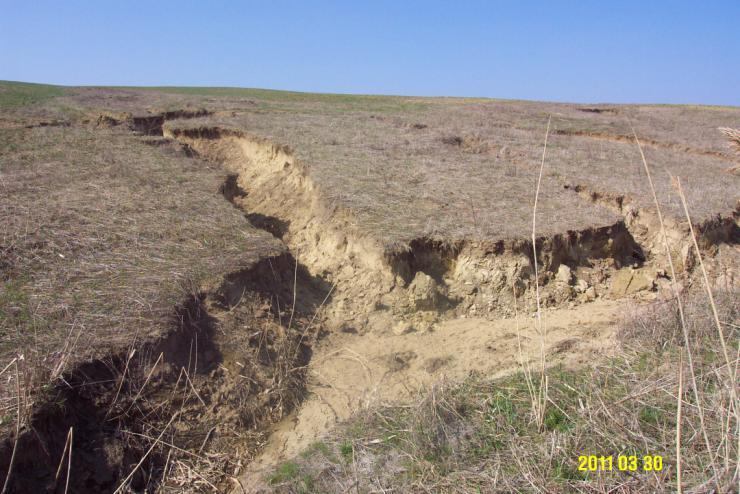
x=151 y=125
x=348 y=373
x=595 y=109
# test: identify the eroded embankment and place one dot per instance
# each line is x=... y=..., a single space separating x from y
x=452 y=287
x=644 y=225
x=149 y=124
x=233 y=364
x=427 y=280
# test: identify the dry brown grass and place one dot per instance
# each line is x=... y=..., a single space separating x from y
x=100 y=234
x=539 y=401
x=103 y=237
x=733 y=136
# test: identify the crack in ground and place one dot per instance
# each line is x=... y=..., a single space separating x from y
x=645 y=141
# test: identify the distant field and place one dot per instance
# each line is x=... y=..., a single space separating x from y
x=19 y=94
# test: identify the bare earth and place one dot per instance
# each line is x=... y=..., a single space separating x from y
x=349 y=373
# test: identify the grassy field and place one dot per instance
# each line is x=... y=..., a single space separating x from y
x=178 y=265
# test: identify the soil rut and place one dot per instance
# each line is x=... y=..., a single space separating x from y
x=674 y=146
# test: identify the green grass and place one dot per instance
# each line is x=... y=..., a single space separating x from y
x=347 y=450
x=14 y=303
x=318 y=448
x=502 y=405
x=291 y=473
x=20 y=94
x=556 y=420
x=285 y=472
x=321 y=102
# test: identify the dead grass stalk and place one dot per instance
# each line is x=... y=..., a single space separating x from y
x=541 y=399
x=677 y=296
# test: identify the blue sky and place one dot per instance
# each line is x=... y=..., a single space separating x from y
x=588 y=51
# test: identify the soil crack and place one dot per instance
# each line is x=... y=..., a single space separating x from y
x=673 y=146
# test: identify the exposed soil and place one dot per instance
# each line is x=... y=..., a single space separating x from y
x=597 y=110
x=349 y=373
x=151 y=125
x=644 y=225
x=445 y=279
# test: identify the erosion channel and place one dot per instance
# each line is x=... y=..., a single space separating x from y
x=263 y=361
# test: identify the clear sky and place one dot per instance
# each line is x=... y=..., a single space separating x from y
x=579 y=51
